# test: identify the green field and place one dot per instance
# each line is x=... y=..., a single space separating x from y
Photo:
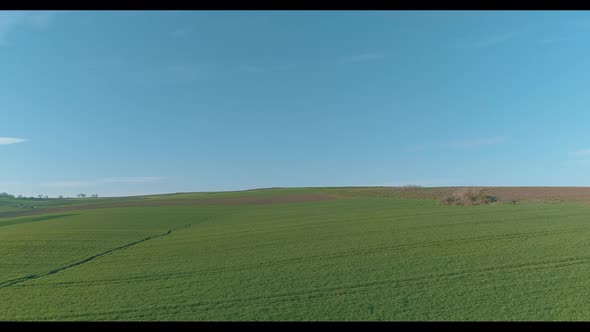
x=361 y=255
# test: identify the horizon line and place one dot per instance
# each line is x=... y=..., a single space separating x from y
x=409 y=186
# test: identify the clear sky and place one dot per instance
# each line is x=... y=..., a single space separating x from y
x=123 y=103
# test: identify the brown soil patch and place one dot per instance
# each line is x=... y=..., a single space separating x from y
x=544 y=194
x=506 y=194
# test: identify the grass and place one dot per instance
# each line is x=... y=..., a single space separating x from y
x=361 y=257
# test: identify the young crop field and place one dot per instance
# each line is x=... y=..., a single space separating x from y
x=296 y=254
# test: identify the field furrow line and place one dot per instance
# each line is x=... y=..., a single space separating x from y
x=320 y=257
x=346 y=289
x=13 y=282
x=16 y=281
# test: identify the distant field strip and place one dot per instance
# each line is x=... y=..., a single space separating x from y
x=27 y=220
x=247 y=200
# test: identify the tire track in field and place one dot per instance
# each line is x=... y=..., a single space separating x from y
x=347 y=289
x=13 y=282
x=320 y=257
x=341 y=290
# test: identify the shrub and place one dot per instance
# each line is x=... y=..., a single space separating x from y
x=490 y=199
x=468 y=196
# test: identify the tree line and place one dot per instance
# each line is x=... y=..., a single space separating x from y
x=7 y=195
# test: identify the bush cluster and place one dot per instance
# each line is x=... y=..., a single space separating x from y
x=468 y=197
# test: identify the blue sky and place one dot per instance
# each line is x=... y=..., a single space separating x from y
x=124 y=103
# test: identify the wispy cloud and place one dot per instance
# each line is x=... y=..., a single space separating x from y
x=582 y=153
x=579 y=157
x=490 y=40
x=579 y=23
x=568 y=31
x=475 y=142
x=265 y=68
x=136 y=179
x=180 y=32
x=547 y=41
x=11 y=140
x=252 y=69
x=185 y=72
x=456 y=144
x=361 y=57
x=95 y=182
x=12 y=20
x=416 y=146
x=9 y=183
x=436 y=182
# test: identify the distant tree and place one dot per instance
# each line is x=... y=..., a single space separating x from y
x=7 y=195
x=60 y=197
x=46 y=196
x=81 y=195
x=94 y=196
x=20 y=196
x=40 y=196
